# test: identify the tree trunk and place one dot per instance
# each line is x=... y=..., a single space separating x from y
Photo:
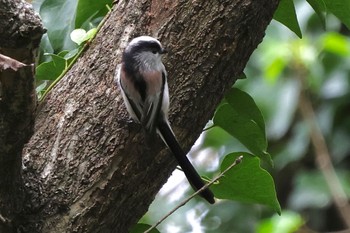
x=20 y=33
x=86 y=168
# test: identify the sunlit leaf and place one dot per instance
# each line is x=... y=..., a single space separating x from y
x=275 y=68
x=91 y=33
x=246 y=182
x=78 y=36
x=287 y=222
x=336 y=43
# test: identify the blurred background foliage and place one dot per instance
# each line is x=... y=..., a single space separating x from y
x=283 y=69
x=280 y=70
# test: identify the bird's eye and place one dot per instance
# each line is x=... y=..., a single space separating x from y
x=154 y=51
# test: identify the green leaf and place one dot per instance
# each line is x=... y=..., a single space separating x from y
x=319 y=7
x=71 y=54
x=141 y=228
x=45 y=47
x=336 y=43
x=78 y=36
x=245 y=105
x=90 y=9
x=341 y=9
x=216 y=137
x=58 y=17
x=286 y=15
x=41 y=88
x=62 y=54
x=275 y=68
x=52 y=69
x=288 y=222
x=246 y=182
x=91 y=33
x=241 y=118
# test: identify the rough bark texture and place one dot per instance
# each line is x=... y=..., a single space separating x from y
x=86 y=169
x=20 y=33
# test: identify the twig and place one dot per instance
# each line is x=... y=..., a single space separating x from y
x=323 y=158
x=237 y=161
x=209 y=127
x=4 y=221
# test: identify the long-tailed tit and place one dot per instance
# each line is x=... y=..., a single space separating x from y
x=143 y=82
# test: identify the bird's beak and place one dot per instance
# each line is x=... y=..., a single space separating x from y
x=164 y=50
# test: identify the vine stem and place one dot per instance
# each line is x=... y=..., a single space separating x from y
x=237 y=161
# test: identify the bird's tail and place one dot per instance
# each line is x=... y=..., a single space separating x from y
x=192 y=176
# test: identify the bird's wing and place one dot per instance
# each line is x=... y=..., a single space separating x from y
x=132 y=97
x=155 y=81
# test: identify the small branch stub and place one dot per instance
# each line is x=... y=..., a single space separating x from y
x=9 y=63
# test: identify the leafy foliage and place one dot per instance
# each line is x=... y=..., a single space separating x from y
x=51 y=12
x=63 y=42
x=286 y=14
x=319 y=60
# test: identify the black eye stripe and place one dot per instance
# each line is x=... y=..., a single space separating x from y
x=151 y=46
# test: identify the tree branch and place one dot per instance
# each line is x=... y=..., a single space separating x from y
x=323 y=157
x=85 y=169
x=20 y=33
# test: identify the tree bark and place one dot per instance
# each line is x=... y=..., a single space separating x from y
x=86 y=168
x=20 y=33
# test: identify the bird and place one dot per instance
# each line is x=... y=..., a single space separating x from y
x=142 y=79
